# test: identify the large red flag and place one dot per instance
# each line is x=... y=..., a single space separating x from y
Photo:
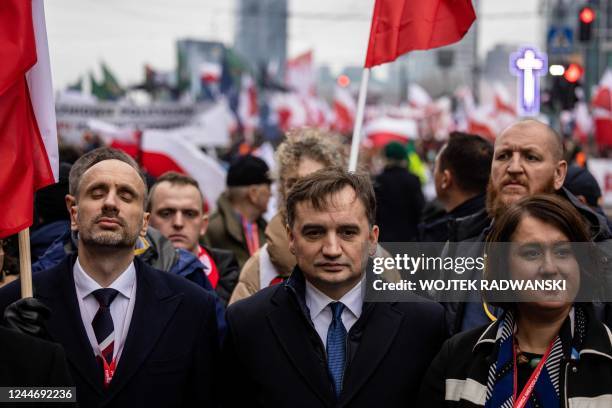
x=399 y=26
x=24 y=160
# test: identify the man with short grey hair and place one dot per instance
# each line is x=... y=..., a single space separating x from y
x=133 y=335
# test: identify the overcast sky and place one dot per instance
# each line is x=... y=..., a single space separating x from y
x=126 y=34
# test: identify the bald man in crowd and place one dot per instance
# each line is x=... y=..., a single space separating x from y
x=527 y=160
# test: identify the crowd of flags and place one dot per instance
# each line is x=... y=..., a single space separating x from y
x=245 y=101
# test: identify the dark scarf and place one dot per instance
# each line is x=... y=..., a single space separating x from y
x=500 y=381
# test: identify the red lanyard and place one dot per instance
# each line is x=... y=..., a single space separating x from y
x=109 y=370
x=521 y=401
x=252 y=235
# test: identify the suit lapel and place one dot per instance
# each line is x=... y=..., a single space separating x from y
x=65 y=325
x=155 y=305
x=379 y=331
x=298 y=343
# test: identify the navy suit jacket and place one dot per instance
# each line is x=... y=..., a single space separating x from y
x=171 y=350
x=275 y=358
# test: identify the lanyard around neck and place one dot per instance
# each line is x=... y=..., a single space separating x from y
x=522 y=399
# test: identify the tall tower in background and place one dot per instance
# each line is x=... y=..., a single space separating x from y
x=261 y=34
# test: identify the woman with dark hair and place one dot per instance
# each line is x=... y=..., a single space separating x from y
x=548 y=349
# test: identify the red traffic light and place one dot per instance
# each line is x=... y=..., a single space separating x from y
x=587 y=15
x=573 y=73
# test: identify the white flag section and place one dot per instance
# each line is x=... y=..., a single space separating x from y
x=300 y=74
x=212 y=128
x=383 y=130
x=161 y=150
x=41 y=88
x=502 y=100
x=248 y=109
x=111 y=133
x=602 y=171
x=417 y=96
x=210 y=71
x=345 y=109
x=158 y=147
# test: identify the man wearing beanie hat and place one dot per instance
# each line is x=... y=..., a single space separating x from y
x=238 y=225
x=399 y=197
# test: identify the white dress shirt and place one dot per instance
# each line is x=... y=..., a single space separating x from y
x=321 y=313
x=121 y=308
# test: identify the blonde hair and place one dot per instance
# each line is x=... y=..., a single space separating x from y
x=319 y=145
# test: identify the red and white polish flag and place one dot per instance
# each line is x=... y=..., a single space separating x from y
x=602 y=111
x=28 y=134
x=345 y=109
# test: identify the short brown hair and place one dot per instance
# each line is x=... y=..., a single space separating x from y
x=94 y=157
x=550 y=209
x=318 y=186
x=174 y=178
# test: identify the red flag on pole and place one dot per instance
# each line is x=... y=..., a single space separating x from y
x=28 y=147
x=399 y=26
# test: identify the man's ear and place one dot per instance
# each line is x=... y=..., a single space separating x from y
x=373 y=240
x=145 y=223
x=252 y=193
x=204 y=227
x=291 y=238
x=447 y=179
x=560 y=173
x=73 y=210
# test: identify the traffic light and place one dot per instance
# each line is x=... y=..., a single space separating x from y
x=573 y=73
x=586 y=18
x=566 y=79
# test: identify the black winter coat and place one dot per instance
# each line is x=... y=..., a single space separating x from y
x=399 y=203
x=458 y=376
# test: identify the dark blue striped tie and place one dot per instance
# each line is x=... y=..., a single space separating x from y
x=103 y=322
x=336 y=346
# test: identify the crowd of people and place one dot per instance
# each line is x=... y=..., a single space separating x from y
x=143 y=298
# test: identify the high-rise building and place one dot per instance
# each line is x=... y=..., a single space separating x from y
x=261 y=34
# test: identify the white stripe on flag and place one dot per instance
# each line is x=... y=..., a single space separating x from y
x=41 y=88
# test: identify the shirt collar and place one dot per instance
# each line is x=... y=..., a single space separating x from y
x=85 y=284
x=317 y=300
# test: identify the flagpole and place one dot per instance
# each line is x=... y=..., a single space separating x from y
x=25 y=263
x=363 y=90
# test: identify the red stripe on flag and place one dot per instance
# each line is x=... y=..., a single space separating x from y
x=155 y=164
x=603 y=132
x=399 y=26
x=25 y=167
x=382 y=139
